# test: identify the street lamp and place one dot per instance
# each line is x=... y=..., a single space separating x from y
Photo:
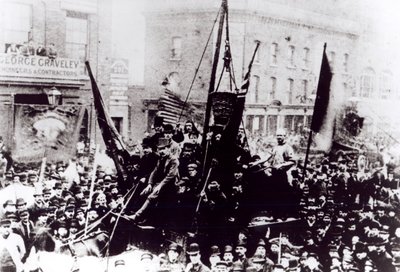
x=54 y=96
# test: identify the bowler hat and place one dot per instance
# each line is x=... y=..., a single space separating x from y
x=57 y=185
x=119 y=262
x=163 y=142
x=20 y=201
x=8 y=203
x=168 y=128
x=11 y=216
x=221 y=263
x=241 y=243
x=5 y=222
x=258 y=259
x=193 y=249
x=147 y=142
x=146 y=255
x=215 y=251
x=228 y=248
x=174 y=247
x=23 y=212
x=262 y=243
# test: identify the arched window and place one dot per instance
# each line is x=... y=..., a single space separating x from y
x=367 y=83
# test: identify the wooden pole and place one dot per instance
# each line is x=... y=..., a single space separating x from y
x=307 y=154
x=212 y=78
x=96 y=154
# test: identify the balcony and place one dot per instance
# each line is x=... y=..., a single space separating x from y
x=43 y=71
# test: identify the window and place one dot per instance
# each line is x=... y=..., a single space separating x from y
x=386 y=85
x=304 y=85
x=16 y=22
x=346 y=63
x=255 y=84
x=291 y=55
x=306 y=57
x=76 y=41
x=176 y=51
x=367 y=83
x=256 y=123
x=290 y=91
x=274 y=54
x=272 y=90
x=331 y=59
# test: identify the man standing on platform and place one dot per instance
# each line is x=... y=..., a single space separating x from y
x=282 y=200
x=161 y=180
x=282 y=157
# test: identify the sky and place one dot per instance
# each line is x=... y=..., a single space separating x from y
x=128 y=30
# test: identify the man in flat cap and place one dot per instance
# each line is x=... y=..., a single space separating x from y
x=161 y=181
x=173 y=263
x=26 y=228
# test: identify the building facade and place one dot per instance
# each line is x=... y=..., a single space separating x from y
x=76 y=31
x=286 y=69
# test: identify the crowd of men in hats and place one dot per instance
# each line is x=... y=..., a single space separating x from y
x=346 y=218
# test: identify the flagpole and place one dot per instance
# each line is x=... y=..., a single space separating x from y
x=311 y=131
x=307 y=154
x=206 y=126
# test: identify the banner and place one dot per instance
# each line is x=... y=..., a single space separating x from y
x=46 y=131
x=43 y=68
x=115 y=145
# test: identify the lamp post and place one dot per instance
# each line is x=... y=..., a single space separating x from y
x=54 y=96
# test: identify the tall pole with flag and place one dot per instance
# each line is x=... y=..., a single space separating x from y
x=115 y=146
x=321 y=103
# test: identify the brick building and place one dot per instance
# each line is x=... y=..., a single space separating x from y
x=285 y=73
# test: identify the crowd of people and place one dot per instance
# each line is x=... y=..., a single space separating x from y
x=338 y=214
x=31 y=49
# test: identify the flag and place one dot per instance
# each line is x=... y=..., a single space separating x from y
x=174 y=110
x=323 y=94
x=246 y=81
x=115 y=146
x=170 y=107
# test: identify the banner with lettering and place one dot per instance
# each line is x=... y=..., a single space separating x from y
x=18 y=67
x=46 y=131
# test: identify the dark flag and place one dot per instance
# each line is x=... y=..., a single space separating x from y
x=115 y=146
x=323 y=93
